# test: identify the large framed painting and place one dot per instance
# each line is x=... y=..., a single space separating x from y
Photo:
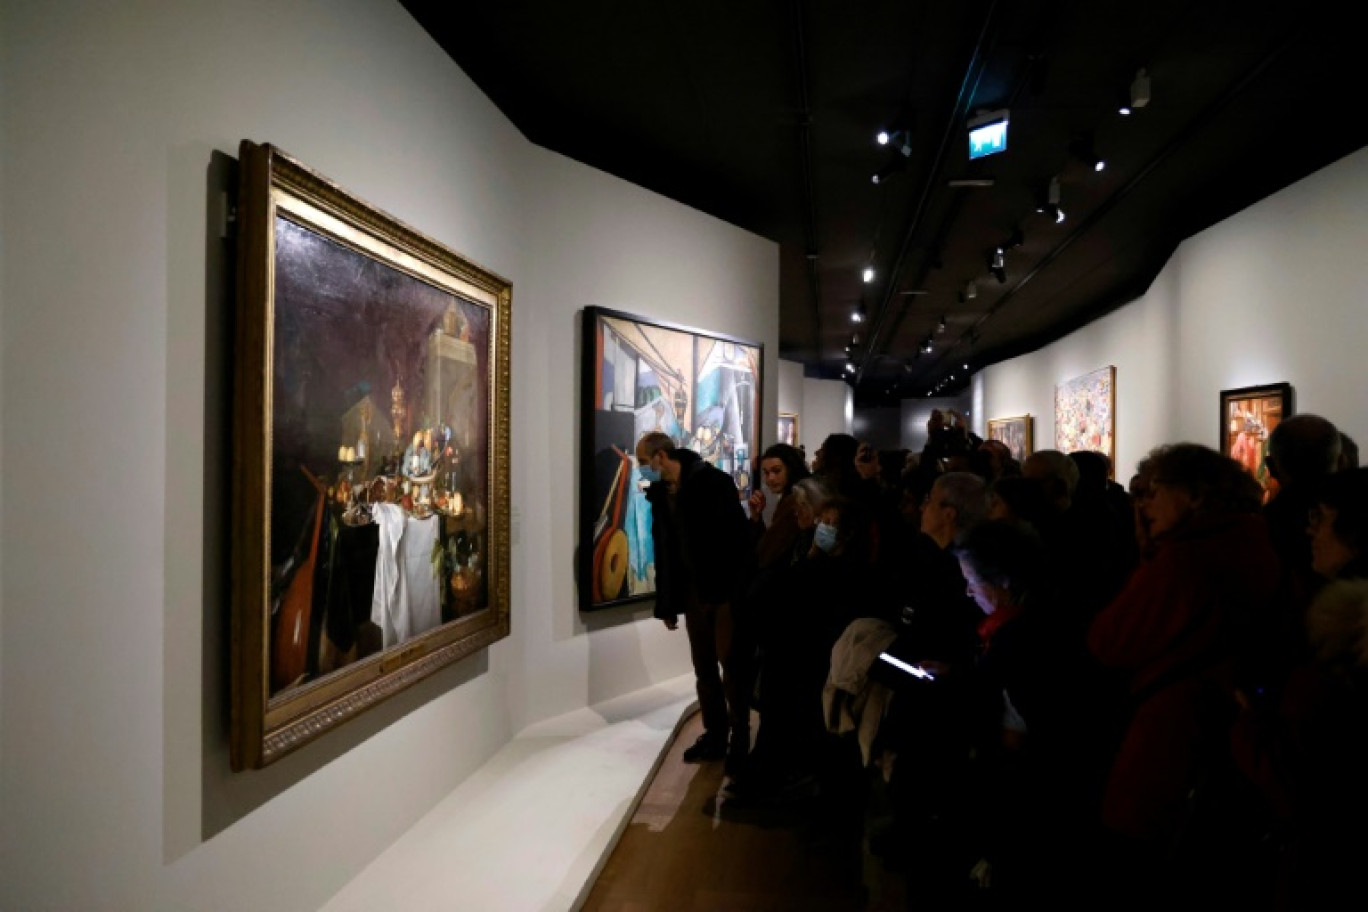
x=701 y=388
x=1248 y=416
x=1014 y=432
x=371 y=502
x=788 y=429
x=1085 y=413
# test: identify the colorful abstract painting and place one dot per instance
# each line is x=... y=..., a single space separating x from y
x=1085 y=413
x=700 y=388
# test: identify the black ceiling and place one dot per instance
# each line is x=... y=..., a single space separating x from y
x=763 y=113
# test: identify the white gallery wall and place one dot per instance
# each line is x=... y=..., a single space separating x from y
x=1274 y=293
x=119 y=129
x=828 y=408
x=600 y=241
x=790 y=397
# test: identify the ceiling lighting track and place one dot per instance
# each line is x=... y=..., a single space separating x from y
x=1192 y=128
x=800 y=65
x=973 y=73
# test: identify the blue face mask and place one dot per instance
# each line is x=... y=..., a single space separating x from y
x=648 y=473
x=825 y=537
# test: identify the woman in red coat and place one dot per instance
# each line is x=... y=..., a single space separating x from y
x=1175 y=633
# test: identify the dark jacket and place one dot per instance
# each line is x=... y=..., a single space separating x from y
x=703 y=548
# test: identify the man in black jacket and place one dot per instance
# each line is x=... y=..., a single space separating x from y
x=703 y=557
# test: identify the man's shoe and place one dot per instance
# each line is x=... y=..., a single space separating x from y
x=707 y=747
x=737 y=754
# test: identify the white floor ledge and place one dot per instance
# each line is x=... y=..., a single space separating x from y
x=531 y=828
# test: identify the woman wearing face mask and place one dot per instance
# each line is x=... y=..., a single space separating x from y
x=1174 y=635
x=809 y=497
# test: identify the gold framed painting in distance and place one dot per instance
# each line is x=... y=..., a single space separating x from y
x=1015 y=433
x=370 y=462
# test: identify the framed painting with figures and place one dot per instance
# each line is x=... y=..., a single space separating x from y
x=701 y=388
x=1248 y=416
x=370 y=491
x=1014 y=432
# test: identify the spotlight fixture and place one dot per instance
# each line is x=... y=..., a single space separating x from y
x=966 y=367
x=899 y=138
x=927 y=345
x=868 y=274
x=942 y=325
x=970 y=291
x=1083 y=150
x=997 y=264
x=857 y=315
x=1051 y=204
x=1140 y=89
x=850 y=368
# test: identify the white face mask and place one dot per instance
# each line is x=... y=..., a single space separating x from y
x=825 y=537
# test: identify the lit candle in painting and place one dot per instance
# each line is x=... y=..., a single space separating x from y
x=342 y=454
x=457 y=504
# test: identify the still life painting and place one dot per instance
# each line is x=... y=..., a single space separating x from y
x=371 y=493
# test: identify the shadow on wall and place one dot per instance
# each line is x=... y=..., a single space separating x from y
x=226 y=797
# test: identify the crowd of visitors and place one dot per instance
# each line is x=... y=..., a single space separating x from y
x=1068 y=689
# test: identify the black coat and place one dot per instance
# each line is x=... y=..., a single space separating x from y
x=703 y=547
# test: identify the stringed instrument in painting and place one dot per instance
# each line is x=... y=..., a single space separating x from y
x=290 y=636
x=611 y=552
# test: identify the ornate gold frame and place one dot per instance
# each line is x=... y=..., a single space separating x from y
x=265 y=727
x=1028 y=445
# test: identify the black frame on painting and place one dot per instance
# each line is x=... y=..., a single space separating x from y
x=1282 y=391
x=609 y=486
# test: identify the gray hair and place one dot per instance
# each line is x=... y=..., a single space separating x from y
x=813 y=491
x=968 y=494
x=1057 y=466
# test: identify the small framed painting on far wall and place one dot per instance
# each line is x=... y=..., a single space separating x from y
x=1248 y=417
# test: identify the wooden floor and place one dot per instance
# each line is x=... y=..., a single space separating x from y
x=689 y=848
